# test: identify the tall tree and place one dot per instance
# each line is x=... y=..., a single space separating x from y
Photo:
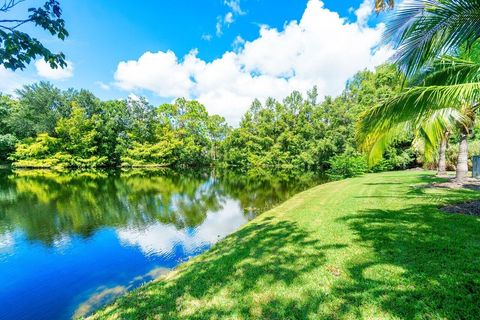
x=18 y=48
x=39 y=107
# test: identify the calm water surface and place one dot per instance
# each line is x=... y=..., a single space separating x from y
x=70 y=242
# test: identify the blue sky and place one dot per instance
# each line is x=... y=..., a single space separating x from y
x=105 y=33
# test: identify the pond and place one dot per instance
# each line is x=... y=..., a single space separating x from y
x=73 y=241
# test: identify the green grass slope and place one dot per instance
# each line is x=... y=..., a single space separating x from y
x=373 y=247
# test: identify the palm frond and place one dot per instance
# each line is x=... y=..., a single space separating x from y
x=376 y=143
x=424 y=143
x=448 y=70
x=423 y=30
x=416 y=103
x=430 y=132
x=429 y=111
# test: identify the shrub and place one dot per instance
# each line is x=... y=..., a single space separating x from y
x=162 y=153
x=41 y=147
x=347 y=165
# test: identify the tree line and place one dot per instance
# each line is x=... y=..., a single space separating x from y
x=49 y=128
x=43 y=126
x=421 y=110
x=301 y=133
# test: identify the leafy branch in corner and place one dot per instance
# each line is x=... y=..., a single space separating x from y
x=17 y=48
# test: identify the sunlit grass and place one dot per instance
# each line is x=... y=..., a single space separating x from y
x=373 y=247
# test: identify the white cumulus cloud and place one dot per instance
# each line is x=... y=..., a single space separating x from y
x=321 y=49
x=44 y=70
x=160 y=72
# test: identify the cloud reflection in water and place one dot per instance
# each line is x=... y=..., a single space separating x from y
x=162 y=239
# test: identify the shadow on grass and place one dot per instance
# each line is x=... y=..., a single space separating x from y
x=226 y=278
x=426 y=264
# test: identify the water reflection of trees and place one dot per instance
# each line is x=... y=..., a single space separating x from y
x=259 y=191
x=47 y=205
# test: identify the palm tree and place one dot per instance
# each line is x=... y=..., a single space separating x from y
x=432 y=132
x=469 y=111
x=442 y=158
x=449 y=84
x=422 y=31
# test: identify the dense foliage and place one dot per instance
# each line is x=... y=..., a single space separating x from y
x=300 y=134
x=47 y=127
x=437 y=46
x=75 y=129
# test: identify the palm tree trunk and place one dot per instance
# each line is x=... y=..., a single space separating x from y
x=462 y=162
x=442 y=160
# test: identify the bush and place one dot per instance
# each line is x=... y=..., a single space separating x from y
x=41 y=147
x=162 y=153
x=347 y=165
x=396 y=157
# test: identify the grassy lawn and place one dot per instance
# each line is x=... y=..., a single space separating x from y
x=373 y=247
